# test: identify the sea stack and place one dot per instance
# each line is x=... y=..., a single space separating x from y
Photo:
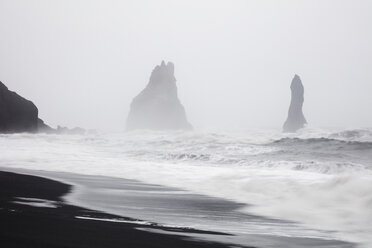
x=157 y=107
x=296 y=119
x=17 y=114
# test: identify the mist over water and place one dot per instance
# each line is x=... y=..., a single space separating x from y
x=83 y=62
x=234 y=60
x=321 y=179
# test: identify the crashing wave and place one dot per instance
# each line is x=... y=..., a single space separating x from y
x=324 y=143
x=362 y=135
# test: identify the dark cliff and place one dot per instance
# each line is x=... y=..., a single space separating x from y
x=17 y=114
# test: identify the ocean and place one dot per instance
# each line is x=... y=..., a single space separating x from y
x=319 y=180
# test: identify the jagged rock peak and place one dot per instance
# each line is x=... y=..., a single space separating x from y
x=158 y=106
x=296 y=119
x=163 y=73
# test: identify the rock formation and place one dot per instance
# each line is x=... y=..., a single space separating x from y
x=17 y=114
x=157 y=107
x=44 y=128
x=296 y=119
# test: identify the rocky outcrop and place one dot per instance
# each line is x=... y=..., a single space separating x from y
x=17 y=114
x=157 y=107
x=44 y=128
x=296 y=119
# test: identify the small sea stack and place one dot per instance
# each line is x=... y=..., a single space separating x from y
x=296 y=119
x=17 y=114
x=158 y=107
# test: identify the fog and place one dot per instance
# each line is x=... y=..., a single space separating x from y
x=82 y=62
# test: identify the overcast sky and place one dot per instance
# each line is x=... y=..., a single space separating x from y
x=82 y=62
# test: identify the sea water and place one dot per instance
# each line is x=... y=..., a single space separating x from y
x=321 y=179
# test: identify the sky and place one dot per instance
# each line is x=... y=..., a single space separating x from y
x=82 y=61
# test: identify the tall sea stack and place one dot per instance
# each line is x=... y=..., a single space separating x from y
x=157 y=107
x=296 y=119
x=17 y=114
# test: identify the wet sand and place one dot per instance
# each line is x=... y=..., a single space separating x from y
x=152 y=211
x=54 y=223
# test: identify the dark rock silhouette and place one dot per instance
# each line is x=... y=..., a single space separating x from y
x=17 y=114
x=157 y=107
x=296 y=119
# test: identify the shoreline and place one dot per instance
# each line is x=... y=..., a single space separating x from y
x=98 y=192
x=34 y=214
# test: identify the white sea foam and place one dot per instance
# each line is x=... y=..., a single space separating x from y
x=36 y=202
x=319 y=178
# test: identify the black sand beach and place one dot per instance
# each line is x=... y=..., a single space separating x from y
x=33 y=214
x=57 y=209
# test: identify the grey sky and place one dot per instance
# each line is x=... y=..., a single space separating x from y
x=82 y=62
